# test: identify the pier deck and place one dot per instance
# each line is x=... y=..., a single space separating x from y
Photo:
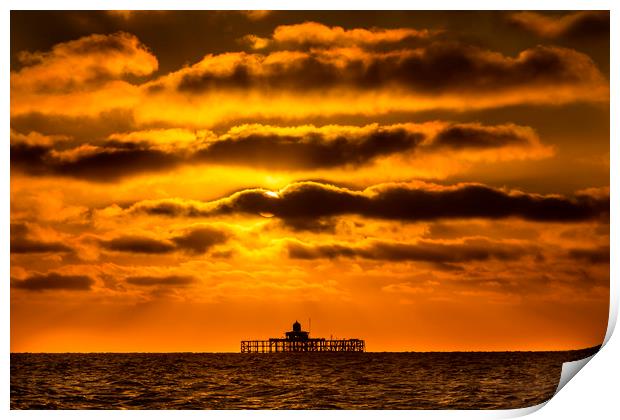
x=277 y=345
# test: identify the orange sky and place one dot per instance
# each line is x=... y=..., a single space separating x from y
x=181 y=181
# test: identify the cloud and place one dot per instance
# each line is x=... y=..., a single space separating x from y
x=600 y=255
x=476 y=136
x=138 y=244
x=277 y=148
x=19 y=229
x=195 y=240
x=576 y=25
x=52 y=281
x=316 y=34
x=99 y=73
x=96 y=163
x=256 y=14
x=311 y=148
x=29 y=246
x=87 y=61
x=255 y=42
x=145 y=281
x=404 y=202
x=437 y=68
x=21 y=243
x=80 y=128
x=425 y=251
x=36 y=139
x=200 y=240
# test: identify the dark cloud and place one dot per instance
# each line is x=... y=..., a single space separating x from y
x=576 y=25
x=264 y=147
x=107 y=163
x=589 y=24
x=433 y=252
x=52 y=281
x=310 y=152
x=439 y=67
x=160 y=281
x=29 y=246
x=311 y=225
x=447 y=230
x=21 y=243
x=138 y=244
x=102 y=165
x=199 y=241
x=114 y=159
x=19 y=230
x=600 y=255
x=193 y=241
x=404 y=202
x=29 y=156
x=476 y=136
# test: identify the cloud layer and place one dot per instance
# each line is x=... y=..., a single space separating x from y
x=53 y=281
x=403 y=202
x=307 y=69
x=22 y=242
x=437 y=68
x=194 y=241
x=313 y=34
x=424 y=251
x=277 y=148
x=146 y=281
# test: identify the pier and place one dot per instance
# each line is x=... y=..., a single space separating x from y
x=300 y=341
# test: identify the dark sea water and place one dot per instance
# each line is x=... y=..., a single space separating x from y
x=285 y=380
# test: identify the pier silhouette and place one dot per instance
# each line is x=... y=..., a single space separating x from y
x=298 y=340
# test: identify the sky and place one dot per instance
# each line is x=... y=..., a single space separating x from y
x=426 y=181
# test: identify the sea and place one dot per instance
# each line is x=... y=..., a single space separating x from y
x=394 y=381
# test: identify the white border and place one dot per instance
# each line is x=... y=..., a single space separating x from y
x=592 y=395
